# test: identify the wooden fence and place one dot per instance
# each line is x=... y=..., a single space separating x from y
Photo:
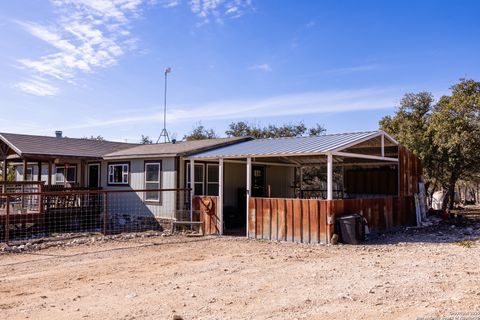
x=312 y=221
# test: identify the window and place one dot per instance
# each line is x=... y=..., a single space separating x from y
x=118 y=173
x=65 y=175
x=30 y=173
x=152 y=181
x=199 y=179
x=212 y=179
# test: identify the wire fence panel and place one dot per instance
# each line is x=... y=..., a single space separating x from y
x=68 y=213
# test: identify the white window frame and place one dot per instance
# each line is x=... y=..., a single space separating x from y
x=64 y=181
x=159 y=164
x=202 y=183
x=125 y=174
x=209 y=182
x=30 y=171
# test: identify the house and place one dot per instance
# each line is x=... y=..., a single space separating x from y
x=257 y=185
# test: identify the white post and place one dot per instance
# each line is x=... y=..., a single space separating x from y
x=383 y=145
x=192 y=186
x=329 y=176
x=220 y=194
x=249 y=186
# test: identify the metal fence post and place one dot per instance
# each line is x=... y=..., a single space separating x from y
x=105 y=209
x=7 y=222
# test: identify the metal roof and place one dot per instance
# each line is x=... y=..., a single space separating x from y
x=290 y=146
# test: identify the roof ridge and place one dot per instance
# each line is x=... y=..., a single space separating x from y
x=324 y=135
x=68 y=138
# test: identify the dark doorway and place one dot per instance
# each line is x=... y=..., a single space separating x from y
x=94 y=175
x=258 y=181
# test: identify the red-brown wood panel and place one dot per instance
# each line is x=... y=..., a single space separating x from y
x=266 y=219
x=305 y=221
x=314 y=221
x=289 y=221
x=322 y=205
x=259 y=216
x=274 y=221
x=252 y=217
x=281 y=215
x=297 y=220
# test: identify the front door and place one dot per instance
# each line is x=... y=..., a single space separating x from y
x=94 y=175
x=258 y=181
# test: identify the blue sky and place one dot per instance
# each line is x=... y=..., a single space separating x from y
x=95 y=67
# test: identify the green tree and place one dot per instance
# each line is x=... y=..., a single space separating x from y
x=244 y=129
x=99 y=138
x=146 y=140
x=455 y=127
x=200 y=133
x=444 y=135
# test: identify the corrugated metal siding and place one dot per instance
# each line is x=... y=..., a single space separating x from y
x=286 y=146
x=134 y=204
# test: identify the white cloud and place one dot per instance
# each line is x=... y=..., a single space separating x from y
x=37 y=87
x=282 y=105
x=218 y=10
x=92 y=34
x=88 y=34
x=261 y=67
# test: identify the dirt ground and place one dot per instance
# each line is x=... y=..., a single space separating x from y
x=235 y=278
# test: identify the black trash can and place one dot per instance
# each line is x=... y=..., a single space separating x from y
x=351 y=229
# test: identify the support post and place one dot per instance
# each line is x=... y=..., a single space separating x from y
x=39 y=173
x=220 y=194
x=105 y=212
x=329 y=176
x=7 y=222
x=192 y=187
x=249 y=187
x=49 y=180
x=382 y=138
x=25 y=167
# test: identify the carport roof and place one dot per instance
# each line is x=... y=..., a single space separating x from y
x=292 y=146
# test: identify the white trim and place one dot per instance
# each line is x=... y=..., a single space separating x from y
x=192 y=186
x=329 y=176
x=220 y=194
x=389 y=137
x=159 y=180
x=123 y=173
x=363 y=156
x=65 y=174
x=358 y=141
x=249 y=188
x=202 y=182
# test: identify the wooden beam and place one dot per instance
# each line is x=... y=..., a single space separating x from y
x=49 y=180
x=39 y=173
x=25 y=167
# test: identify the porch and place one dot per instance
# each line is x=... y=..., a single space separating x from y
x=294 y=188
